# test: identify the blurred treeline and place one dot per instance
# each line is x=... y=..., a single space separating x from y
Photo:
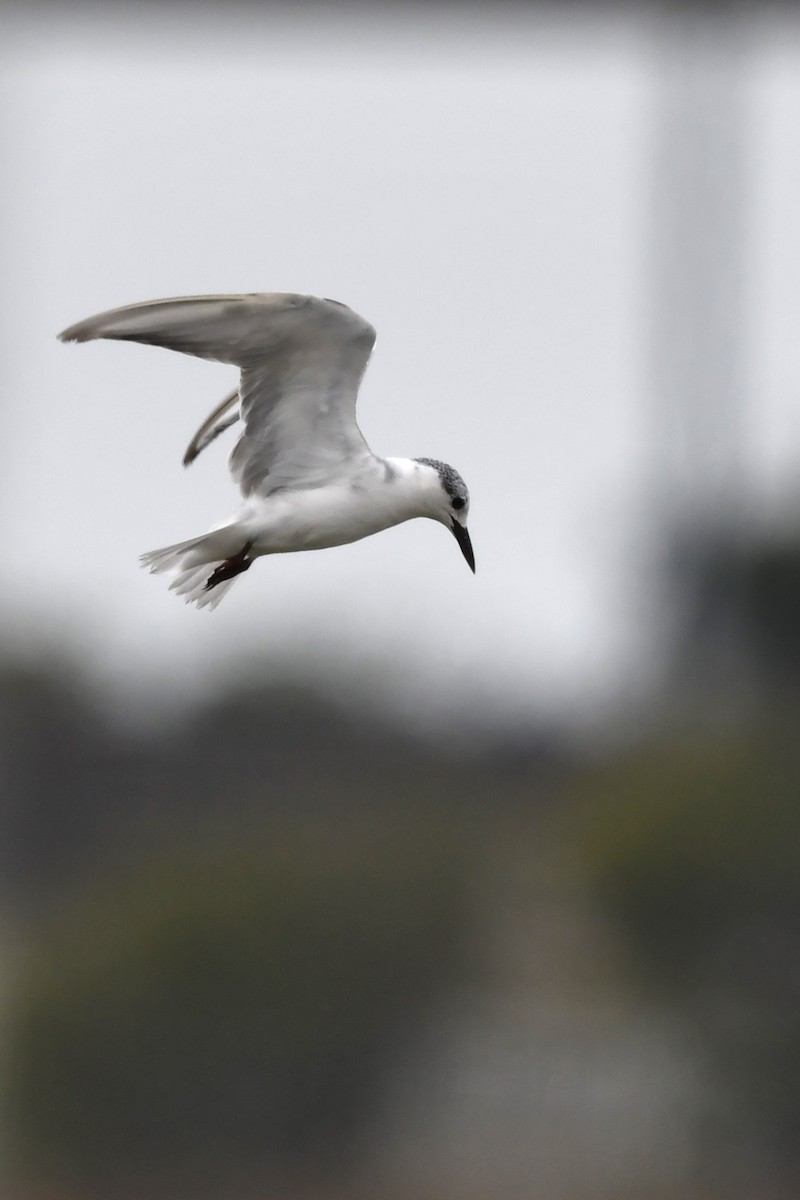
x=226 y=933
x=221 y=930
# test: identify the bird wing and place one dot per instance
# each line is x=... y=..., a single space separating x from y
x=215 y=424
x=301 y=360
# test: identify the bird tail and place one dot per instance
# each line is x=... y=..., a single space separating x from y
x=193 y=564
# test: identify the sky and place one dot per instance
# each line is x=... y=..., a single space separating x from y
x=480 y=191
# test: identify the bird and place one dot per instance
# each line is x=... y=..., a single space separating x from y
x=308 y=479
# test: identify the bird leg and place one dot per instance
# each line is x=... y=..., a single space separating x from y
x=232 y=567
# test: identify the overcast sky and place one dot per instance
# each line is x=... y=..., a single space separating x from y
x=479 y=191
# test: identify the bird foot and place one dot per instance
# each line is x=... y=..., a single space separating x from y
x=230 y=568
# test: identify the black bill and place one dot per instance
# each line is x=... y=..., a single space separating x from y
x=462 y=537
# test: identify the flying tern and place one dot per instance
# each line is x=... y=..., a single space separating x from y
x=307 y=476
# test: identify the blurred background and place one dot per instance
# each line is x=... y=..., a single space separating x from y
x=382 y=880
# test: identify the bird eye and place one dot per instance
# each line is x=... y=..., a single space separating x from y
x=458 y=501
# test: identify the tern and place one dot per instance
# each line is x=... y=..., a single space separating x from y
x=307 y=476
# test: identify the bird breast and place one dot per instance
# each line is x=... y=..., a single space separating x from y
x=333 y=515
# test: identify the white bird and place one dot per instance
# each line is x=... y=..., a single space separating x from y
x=308 y=478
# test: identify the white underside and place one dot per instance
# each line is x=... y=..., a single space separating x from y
x=292 y=520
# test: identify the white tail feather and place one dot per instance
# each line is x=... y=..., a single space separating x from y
x=193 y=563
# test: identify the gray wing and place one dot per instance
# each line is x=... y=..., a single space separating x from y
x=215 y=424
x=301 y=359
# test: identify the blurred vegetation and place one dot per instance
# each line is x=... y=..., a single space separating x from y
x=236 y=1005
x=694 y=843
x=228 y=927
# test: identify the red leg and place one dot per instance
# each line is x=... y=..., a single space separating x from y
x=231 y=567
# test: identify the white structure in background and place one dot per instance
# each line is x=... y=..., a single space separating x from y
x=696 y=267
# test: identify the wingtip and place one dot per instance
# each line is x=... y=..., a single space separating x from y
x=75 y=333
x=87 y=330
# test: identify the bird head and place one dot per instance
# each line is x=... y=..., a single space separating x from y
x=449 y=503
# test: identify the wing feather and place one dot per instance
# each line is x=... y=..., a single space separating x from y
x=215 y=423
x=302 y=359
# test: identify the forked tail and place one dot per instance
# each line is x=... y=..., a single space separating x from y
x=204 y=568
